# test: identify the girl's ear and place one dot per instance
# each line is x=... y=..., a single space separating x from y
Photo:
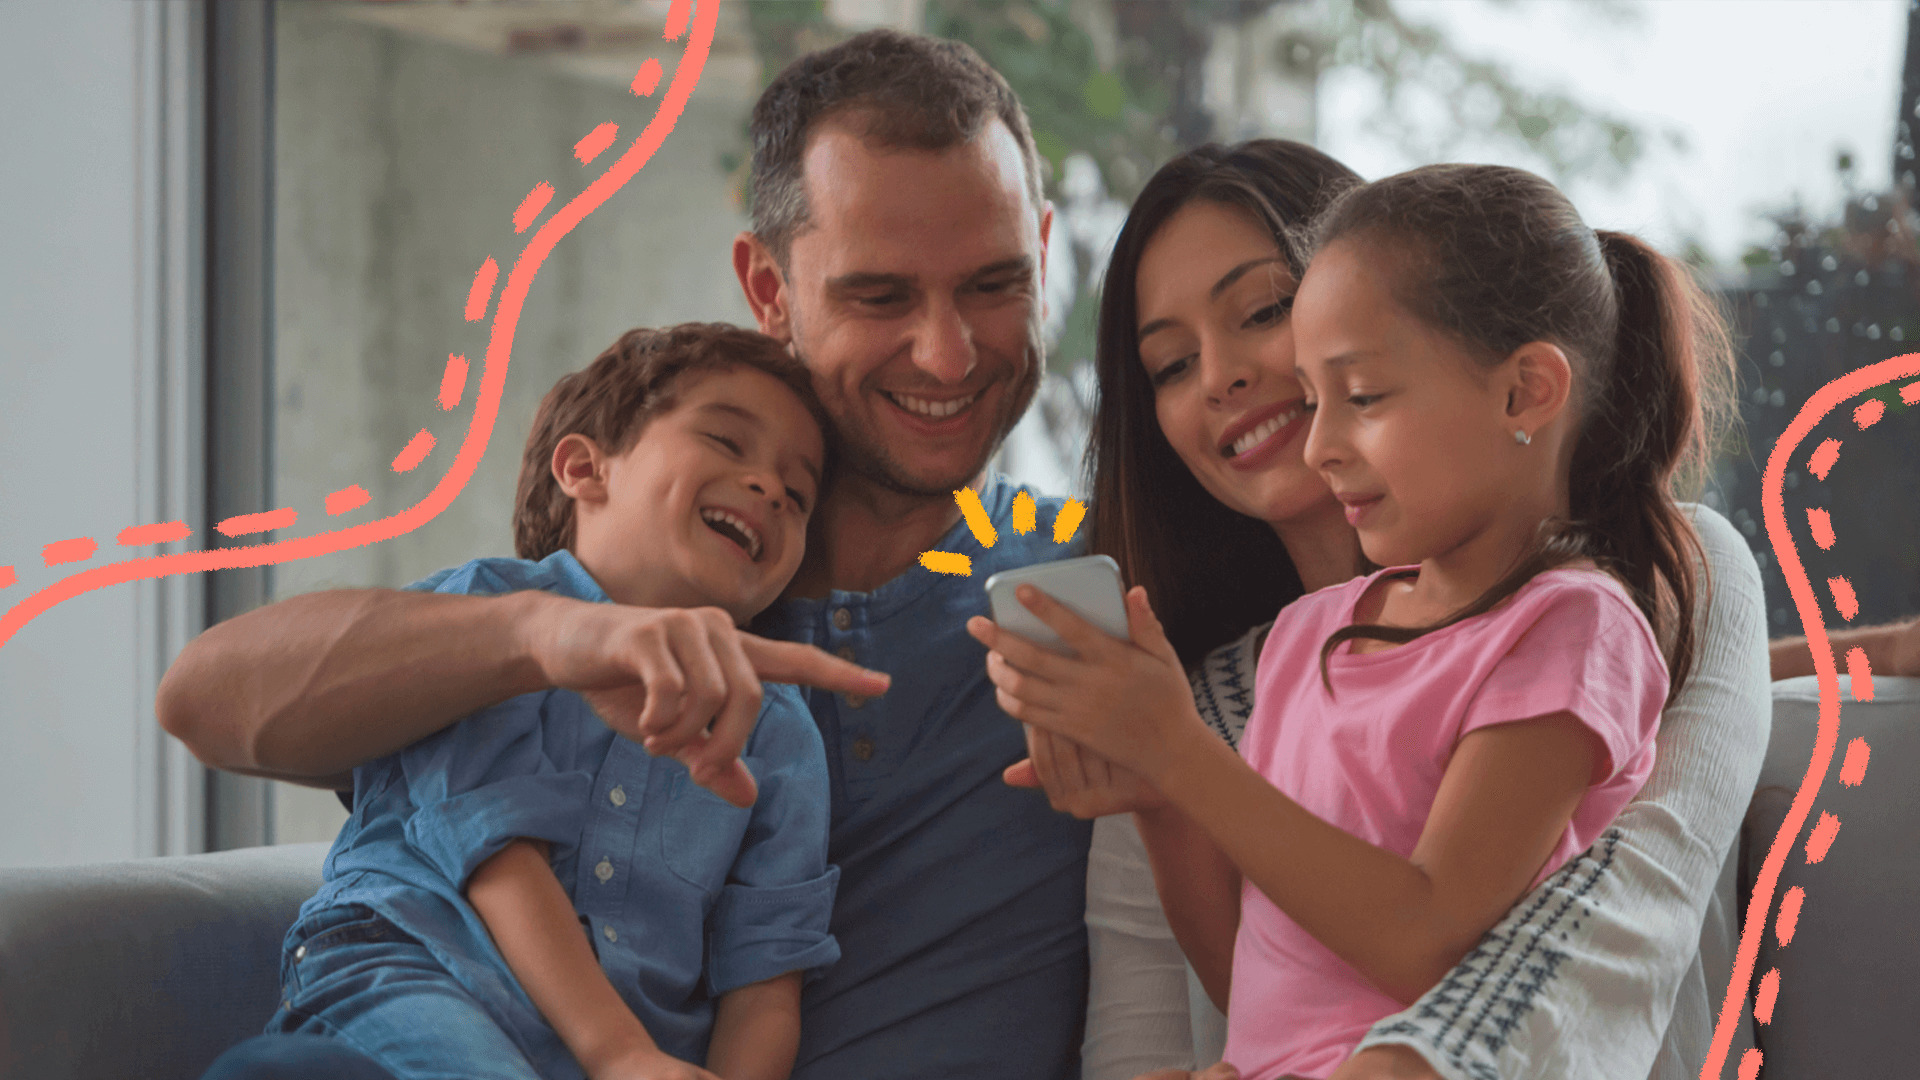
x=1541 y=385
x=580 y=468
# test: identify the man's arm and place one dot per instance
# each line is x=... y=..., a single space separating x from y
x=533 y=924
x=313 y=686
x=1893 y=649
x=756 y=1030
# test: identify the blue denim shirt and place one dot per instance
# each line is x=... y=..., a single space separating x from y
x=683 y=895
x=961 y=913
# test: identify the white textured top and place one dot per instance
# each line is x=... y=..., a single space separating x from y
x=1602 y=973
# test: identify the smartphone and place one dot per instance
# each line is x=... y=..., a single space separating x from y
x=1089 y=586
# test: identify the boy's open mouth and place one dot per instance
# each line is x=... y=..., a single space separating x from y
x=733 y=528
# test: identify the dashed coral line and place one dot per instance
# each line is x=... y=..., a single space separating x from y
x=265 y=521
x=1853 y=769
x=595 y=141
x=531 y=206
x=453 y=381
x=1823 y=458
x=414 y=452
x=686 y=77
x=1844 y=601
x=646 y=78
x=66 y=551
x=166 y=532
x=1859 y=674
x=482 y=291
x=1821 y=526
x=349 y=498
x=1822 y=837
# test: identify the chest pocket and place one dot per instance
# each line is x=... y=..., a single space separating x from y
x=701 y=834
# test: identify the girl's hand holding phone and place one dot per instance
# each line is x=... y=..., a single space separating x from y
x=1127 y=701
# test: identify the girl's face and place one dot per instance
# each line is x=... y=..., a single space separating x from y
x=1214 y=296
x=1408 y=428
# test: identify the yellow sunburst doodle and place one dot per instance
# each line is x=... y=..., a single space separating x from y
x=1025 y=513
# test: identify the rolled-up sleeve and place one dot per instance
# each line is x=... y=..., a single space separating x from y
x=773 y=915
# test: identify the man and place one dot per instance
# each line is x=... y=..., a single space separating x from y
x=898 y=244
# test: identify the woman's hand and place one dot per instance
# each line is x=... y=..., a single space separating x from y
x=1079 y=781
x=1127 y=701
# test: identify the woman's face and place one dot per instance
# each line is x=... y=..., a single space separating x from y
x=1214 y=296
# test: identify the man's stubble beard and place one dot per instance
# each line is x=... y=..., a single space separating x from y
x=865 y=457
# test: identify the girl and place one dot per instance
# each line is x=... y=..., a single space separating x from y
x=1501 y=398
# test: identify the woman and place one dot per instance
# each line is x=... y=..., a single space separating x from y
x=1201 y=495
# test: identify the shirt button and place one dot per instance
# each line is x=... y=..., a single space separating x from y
x=618 y=796
x=863 y=748
x=300 y=953
x=854 y=701
x=604 y=871
x=844 y=652
x=842 y=620
x=611 y=933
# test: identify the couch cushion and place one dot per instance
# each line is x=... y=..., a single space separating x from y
x=147 y=968
x=1847 y=998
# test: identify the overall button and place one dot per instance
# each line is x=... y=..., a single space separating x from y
x=611 y=933
x=844 y=652
x=604 y=871
x=842 y=620
x=618 y=796
x=863 y=748
x=854 y=701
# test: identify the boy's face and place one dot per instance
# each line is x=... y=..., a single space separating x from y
x=709 y=506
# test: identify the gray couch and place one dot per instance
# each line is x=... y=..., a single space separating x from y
x=149 y=969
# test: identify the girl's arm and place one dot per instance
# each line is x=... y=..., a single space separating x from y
x=534 y=925
x=1502 y=807
x=1506 y=798
x=756 y=1030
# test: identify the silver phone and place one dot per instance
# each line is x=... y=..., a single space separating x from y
x=1088 y=586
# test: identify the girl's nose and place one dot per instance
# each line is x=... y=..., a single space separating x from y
x=1323 y=449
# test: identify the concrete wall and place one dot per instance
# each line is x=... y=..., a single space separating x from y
x=399 y=161
x=70 y=708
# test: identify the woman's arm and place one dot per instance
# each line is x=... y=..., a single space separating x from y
x=756 y=1030
x=534 y=925
x=1890 y=650
x=1199 y=888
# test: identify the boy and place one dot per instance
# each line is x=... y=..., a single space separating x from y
x=526 y=894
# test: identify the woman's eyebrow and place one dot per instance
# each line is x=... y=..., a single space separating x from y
x=1227 y=279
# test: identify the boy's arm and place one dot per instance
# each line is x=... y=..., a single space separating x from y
x=756 y=1030
x=534 y=925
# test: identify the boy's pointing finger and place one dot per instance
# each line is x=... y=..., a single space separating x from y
x=805 y=665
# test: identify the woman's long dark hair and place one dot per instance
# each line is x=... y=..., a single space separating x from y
x=1496 y=258
x=1210 y=572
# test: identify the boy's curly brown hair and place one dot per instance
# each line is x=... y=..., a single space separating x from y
x=613 y=398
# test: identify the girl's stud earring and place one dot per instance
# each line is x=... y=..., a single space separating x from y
x=1522 y=438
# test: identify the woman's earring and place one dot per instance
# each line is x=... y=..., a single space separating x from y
x=1522 y=438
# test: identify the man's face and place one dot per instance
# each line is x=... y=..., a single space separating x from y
x=914 y=295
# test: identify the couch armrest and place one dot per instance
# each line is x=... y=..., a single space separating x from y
x=147 y=968
x=1847 y=995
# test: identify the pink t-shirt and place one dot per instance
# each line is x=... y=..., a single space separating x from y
x=1370 y=761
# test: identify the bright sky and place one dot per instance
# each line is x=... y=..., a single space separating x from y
x=1765 y=93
